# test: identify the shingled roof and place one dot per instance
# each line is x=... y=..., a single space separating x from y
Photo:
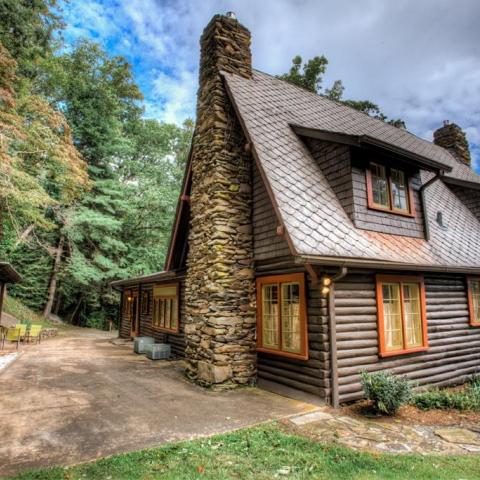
x=317 y=227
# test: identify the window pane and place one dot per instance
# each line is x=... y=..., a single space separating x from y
x=270 y=316
x=475 y=286
x=392 y=315
x=413 y=316
x=379 y=185
x=168 y=312
x=174 y=317
x=291 y=336
x=399 y=190
x=161 y=312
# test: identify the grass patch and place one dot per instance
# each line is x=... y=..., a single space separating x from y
x=22 y=313
x=262 y=453
x=467 y=399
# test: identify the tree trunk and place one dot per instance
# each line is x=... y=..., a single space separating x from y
x=75 y=312
x=24 y=235
x=52 y=288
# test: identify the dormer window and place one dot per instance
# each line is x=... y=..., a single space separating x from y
x=388 y=190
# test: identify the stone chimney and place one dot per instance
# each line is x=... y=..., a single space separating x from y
x=451 y=137
x=219 y=286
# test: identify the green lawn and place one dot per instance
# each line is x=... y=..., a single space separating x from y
x=264 y=452
x=22 y=313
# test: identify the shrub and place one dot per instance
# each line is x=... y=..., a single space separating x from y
x=387 y=391
x=469 y=399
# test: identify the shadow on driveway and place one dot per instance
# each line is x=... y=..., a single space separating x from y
x=78 y=397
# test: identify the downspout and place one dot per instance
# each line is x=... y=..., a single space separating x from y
x=332 y=332
x=426 y=227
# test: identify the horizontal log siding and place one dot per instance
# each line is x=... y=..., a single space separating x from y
x=310 y=375
x=177 y=341
x=470 y=197
x=385 y=222
x=454 y=346
x=267 y=244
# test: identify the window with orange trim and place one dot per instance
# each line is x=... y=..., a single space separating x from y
x=282 y=315
x=165 y=315
x=402 y=319
x=388 y=190
x=473 y=284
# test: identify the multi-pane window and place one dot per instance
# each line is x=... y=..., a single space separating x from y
x=145 y=302
x=281 y=315
x=474 y=300
x=401 y=314
x=388 y=189
x=165 y=307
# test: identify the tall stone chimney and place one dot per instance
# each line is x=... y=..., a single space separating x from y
x=220 y=288
x=451 y=137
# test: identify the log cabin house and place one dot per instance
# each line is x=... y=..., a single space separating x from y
x=312 y=242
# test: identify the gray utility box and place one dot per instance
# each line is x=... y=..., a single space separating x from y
x=141 y=343
x=158 y=351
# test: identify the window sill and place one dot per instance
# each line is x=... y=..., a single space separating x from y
x=297 y=356
x=475 y=324
x=165 y=330
x=394 y=212
x=402 y=352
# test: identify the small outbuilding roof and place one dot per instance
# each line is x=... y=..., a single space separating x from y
x=8 y=274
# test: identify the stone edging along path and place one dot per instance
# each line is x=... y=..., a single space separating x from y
x=373 y=435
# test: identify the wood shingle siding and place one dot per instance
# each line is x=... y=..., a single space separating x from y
x=334 y=160
x=267 y=243
x=310 y=375
x=454 y=351
x=470 y=197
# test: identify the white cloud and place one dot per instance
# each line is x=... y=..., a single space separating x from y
x=173 y=97
x=418 y=60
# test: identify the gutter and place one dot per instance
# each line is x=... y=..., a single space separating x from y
x=332 y=334
x=355 y=262
x=422 y=189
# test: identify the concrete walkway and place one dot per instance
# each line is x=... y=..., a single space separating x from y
x=77 y=397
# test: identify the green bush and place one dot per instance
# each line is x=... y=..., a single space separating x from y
x=387 y=391
x=468 y=399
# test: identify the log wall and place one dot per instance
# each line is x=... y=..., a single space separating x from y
x=454 y=346
x=310 y=375
x=177 y=341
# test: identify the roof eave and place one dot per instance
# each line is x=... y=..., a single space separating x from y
x=143 y=279
x=8 y=274
x=362 y=140
x=353 y=262
x=461 y=183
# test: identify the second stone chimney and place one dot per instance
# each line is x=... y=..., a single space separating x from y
x=219 y=284
x=452 y=137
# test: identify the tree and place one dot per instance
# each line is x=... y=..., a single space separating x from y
x=311 y=79
x=27 y=31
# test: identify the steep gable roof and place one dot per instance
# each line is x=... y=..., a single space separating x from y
x=316 y=225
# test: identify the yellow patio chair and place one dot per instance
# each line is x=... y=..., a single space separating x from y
x=23 y=330
x=35 y=333
x=14 y=335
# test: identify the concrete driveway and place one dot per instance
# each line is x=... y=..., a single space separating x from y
x=77 y=397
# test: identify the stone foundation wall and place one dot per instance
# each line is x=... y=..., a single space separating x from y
x=220 y=288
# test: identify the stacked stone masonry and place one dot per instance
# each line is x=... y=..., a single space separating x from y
x=220 y=288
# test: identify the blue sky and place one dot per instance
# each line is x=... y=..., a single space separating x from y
x=419 y=60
